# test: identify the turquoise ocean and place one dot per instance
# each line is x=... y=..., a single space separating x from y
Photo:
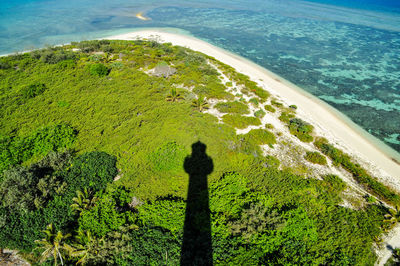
x=346 y=53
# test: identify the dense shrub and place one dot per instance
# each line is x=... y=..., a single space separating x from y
x=53 y=55
x=271 y=161
x=33 y=90
x=29 y=188
x=335 y=182
x=38 y=143
x=103 y=217
x=238 y=121
x=92 y=170
x=315 y=157
x=4 y=65
x=16 y=189
x=158 y=213
x=146 y=246
x=67 y=64
x=232 y=107
x=99 y=70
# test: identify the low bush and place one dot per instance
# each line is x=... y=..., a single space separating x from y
x=254 y=101
x=285 y=117
x=276 y=103
x=263 y=94
x=259 y=113
x=315 y=157
x=269 y=126
x=270 y=108
x=232 y=107
x=301 y=129
x=239 y=121
x=168 y=157
x=261 y=137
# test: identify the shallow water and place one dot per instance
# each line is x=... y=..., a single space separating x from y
x=345 y=54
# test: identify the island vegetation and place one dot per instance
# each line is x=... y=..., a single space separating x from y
x=93 y=146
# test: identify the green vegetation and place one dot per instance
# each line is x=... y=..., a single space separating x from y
x=261 y=137
x=360 y=175
x=239 y=121
x=315 y=157
x=301 y=129
x=241 y=79
x=200 y=104
x=285 y=117
x=98 y=164
x=269 y=126
x=15 y=150
x=259 y=113
x=335 y=182
x=269 y=108
x=254 y=101
x=232 y=107
x=99 y=70
x=33 y=90
x=276 y=103
x=174 y=96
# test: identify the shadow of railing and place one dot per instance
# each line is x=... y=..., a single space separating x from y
x=197 y=246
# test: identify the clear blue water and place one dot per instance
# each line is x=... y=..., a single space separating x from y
x=347 y=53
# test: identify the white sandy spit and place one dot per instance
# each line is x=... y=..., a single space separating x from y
x=327 y=122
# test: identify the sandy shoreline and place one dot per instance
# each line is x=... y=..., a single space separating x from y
x=328 y=123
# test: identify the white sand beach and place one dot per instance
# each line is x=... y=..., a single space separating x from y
x=328 y=123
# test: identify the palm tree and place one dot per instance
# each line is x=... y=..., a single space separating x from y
x=392 y=218
x=200 y=103
x=84 y=245
x=107 y=58
x=53 y=245
x=83 y=201
x=174 y=96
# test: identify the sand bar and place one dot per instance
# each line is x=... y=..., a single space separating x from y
x=328 y=122
x=141 y=16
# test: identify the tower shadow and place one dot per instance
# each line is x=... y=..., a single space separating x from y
x=196 y=245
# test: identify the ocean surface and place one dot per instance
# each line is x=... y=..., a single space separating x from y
x=345 y=52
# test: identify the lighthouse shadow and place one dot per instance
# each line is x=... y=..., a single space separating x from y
x=196 y=246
